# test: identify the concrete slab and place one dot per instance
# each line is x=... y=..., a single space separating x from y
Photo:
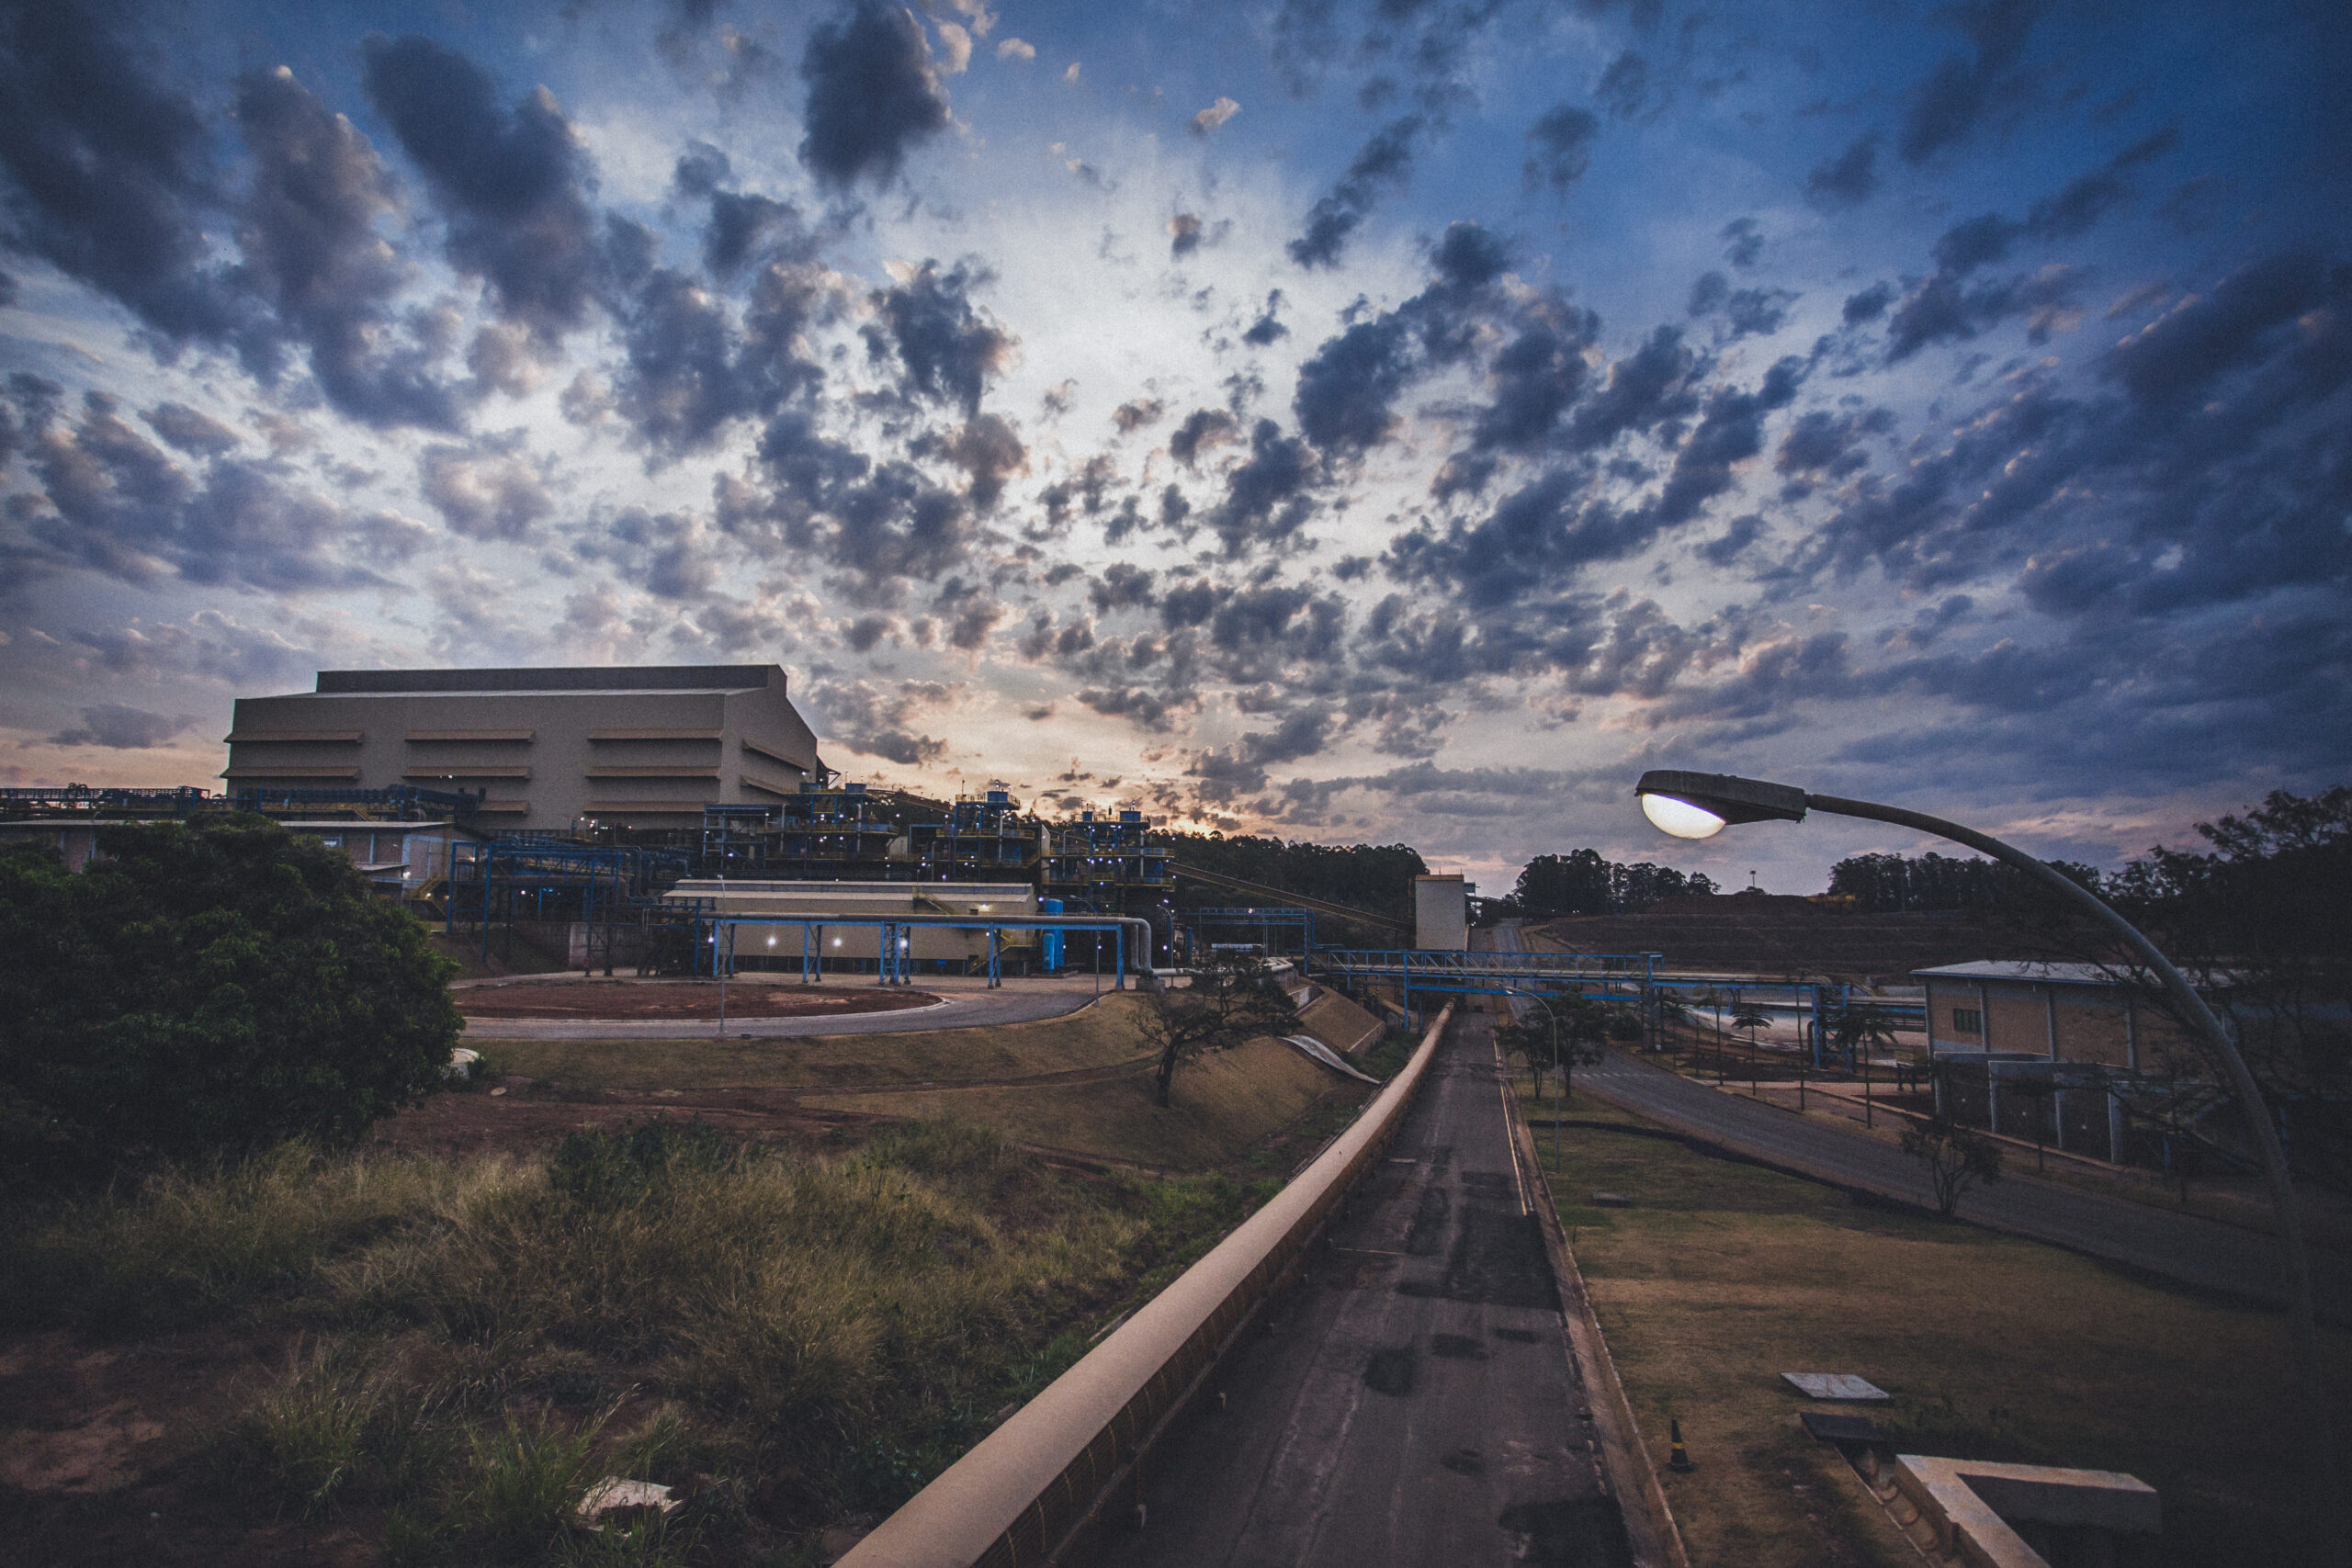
x=1835 y=1385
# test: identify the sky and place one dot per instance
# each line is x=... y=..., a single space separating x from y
x=1402 y=423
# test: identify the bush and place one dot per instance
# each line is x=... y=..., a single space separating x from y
x=205 y=987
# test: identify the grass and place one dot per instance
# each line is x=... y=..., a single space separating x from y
x=1723 y=1275
x=1222 y=1106
x=1101 y=1035
x=798 y=1337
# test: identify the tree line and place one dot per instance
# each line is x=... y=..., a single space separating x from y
x=1374 y=877
x=1583 y=882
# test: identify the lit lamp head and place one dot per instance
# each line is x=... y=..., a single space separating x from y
x=1698 y=806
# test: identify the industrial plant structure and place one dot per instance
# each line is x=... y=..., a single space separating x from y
x=586 y=803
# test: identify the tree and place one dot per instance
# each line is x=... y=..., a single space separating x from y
x=1567 y=1033
x=203 y=988
x=1863 y=1029
x=1583 y=882
x=1957 y=1157
x=1230 y=1002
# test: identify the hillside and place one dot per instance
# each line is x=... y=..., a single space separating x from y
x=1770 y=934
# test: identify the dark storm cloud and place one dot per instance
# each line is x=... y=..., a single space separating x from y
x=1626 y=92
x=309 y=236
x=1945 y=108
x=1847 y=180
x=1384 y=162
x=1745 y=312
x=1821 y=445
x=1565 y=520
x=1269 y=496
x=741 y=224
x=2222 y=472
x=1203 y=429
x=513 y=185
x=109 y=180
x=947 y=349
x=874 y=95
x=1347 y=390
x=881 y=722
x=1536 y=378
x=122 y=729
x=896 y=525
x=112 y=501
x=1869 y=304
x=197 y=434
x=1265 y=332
x=1742 y=241
x=690 y=371
x=1121 y=586
x=988 y=450
x=668 y=554
x=1560 y=148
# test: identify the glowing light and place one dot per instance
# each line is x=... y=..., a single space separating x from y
x=1680 y=817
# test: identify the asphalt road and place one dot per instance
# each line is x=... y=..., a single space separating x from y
x=964 y=1003
x=2201 y=1253
x=1415 y=1403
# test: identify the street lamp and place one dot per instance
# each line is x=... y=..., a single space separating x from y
x=1698 y=806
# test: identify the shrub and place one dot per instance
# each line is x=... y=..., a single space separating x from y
x=205 y=987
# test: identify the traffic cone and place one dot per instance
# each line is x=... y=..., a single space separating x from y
x=1677 y=1459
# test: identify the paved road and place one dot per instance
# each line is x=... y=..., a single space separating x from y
x=1417 y=1403
x=964 y=1002
x=2198 y=1252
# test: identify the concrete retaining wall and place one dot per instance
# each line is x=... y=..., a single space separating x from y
x=1042 y=1487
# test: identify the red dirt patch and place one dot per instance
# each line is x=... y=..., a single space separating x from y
x=676 y=999
x=98 y=1462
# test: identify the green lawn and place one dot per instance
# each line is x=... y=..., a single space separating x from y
x=1721 y=1276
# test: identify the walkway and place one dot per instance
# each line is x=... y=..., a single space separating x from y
x=1415 y=1402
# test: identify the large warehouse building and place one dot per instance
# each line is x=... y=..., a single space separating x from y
x=544 y=748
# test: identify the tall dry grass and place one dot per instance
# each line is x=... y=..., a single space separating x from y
x=825 y=1329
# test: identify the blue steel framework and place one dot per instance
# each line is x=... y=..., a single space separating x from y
x=891 y=941
x=1263 y=920
x=628 y=878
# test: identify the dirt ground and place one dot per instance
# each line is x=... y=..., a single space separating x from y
x=675 y=999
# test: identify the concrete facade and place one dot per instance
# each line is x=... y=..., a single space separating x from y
x=2070 y=1013
x=543 y=748
x=1441 y=914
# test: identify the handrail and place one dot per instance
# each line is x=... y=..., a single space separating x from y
x=1041 y=1483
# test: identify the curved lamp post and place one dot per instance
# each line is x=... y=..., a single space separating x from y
x=1698 y=806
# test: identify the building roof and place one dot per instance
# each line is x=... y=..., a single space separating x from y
x=2037 y=972
x=577 y=678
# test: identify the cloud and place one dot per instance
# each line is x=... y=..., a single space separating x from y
x=490 y=490
x=1945 y=108
x=1202 y=430
x=1742 y=241
x=123 y=729
x=947 y=349
x=309 y=236
x=1215 y=116
x=197 y=434
x=109 y=180
x=880 y=721
x=513 y=184
x=111 y=502
x=1625 y=90
x=874 y=96
x=1848 y=179
x=689 y=372
x=1270 y=496
x=1385 y=161
x=1560 y=148
x=988 y=450
x=1017 y=49
x=955 y=47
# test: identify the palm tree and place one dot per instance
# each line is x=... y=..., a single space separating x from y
x=1865 y=1027
x=1751 y=1017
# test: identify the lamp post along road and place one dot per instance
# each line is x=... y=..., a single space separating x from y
x=1698 y=806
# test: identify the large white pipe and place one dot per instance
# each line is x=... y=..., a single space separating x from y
x=1031 y=1481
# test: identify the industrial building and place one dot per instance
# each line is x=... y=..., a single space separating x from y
x=556 y=750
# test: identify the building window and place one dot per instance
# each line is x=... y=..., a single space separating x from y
x=1967 y=1020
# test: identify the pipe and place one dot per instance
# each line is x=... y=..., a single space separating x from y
x=1021 y=1495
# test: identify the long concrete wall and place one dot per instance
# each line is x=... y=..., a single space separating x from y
x=1041 y=1487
